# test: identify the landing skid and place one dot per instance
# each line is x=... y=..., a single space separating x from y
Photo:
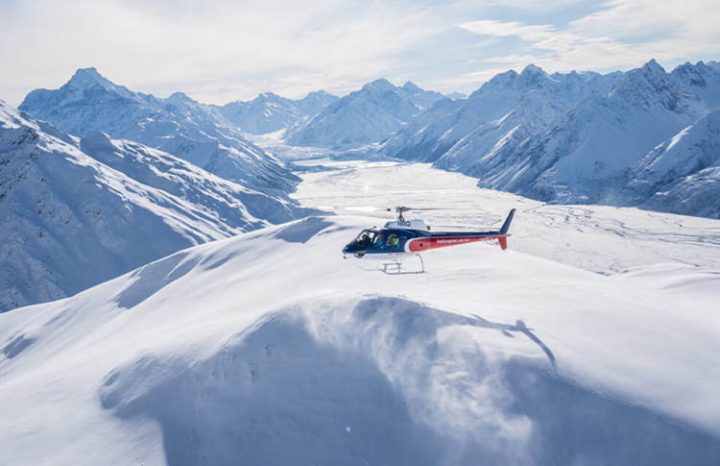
x=396 y=267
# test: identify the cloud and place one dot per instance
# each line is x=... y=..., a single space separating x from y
x=239 y=47
x=527 y=32
x=222 y=50
x=620 y=34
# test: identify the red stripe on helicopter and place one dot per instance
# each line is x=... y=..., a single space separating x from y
x=425 y=244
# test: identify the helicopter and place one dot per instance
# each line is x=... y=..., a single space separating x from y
x=403 y=236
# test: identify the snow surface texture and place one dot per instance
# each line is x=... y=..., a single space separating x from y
x=683 y=173
x=269 y=348
x=366 y=116
x=76 y=213
x=269 y=112
x=91 y=103
x=577 y=137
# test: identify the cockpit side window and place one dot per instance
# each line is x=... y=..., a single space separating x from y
x=366 y=237
x=392 y=240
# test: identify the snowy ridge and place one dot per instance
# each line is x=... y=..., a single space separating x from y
x=570 y=138
x=465 y=366
x=585 y=156
x=269 y=112
x=681 y=175
x=71 y=206
x=90 y=103
x=366 y=116
x=458 y=135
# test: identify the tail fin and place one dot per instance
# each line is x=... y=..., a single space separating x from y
x=503 y=242
x=506 y=225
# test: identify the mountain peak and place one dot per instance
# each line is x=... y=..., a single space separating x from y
x=533 y=76
x=533 y=70
x=320 y=93
x=653 y=67
x=88 y=77
x=180 y=97
x=269 y=95
x=411 y=87
x=380 y=84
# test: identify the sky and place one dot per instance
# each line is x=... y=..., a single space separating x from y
x=223 y=50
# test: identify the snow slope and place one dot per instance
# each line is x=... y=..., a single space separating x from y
x=586 y=156
x=682 y=174
x=270 y=112
x=269 y=348
x=197 y=359
x=465 y=135
x=366 y=116
x=90 y=103
x=74 y=213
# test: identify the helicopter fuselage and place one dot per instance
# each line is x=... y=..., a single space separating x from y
x=407 y=237
x=402 y=241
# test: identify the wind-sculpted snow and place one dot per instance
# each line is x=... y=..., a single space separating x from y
x=90 y=103
x=259 y=350
x=381 y=372
x=76 y=213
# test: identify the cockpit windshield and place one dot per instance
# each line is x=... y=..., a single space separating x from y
x=366 y=237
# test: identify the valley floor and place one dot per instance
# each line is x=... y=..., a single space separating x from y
x=594 y=340
x=601 y=239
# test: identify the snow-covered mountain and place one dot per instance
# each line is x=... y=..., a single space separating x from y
x=494 y=358
x=368 y=115
x=506 y=110
x=90 y=103
x=682 y=174
x=270 y=112
x=702 y=80
x=74 y=213
x=584 y=157
x=567 y=138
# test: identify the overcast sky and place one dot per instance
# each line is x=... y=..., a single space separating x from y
x=223 y=50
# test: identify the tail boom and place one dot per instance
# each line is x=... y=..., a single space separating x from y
x=425 y=244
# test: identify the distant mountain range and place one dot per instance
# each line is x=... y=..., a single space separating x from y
x=269 y=112
x=581 y=137
x=366 y=116
x=75 y=212
x=179 y=125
